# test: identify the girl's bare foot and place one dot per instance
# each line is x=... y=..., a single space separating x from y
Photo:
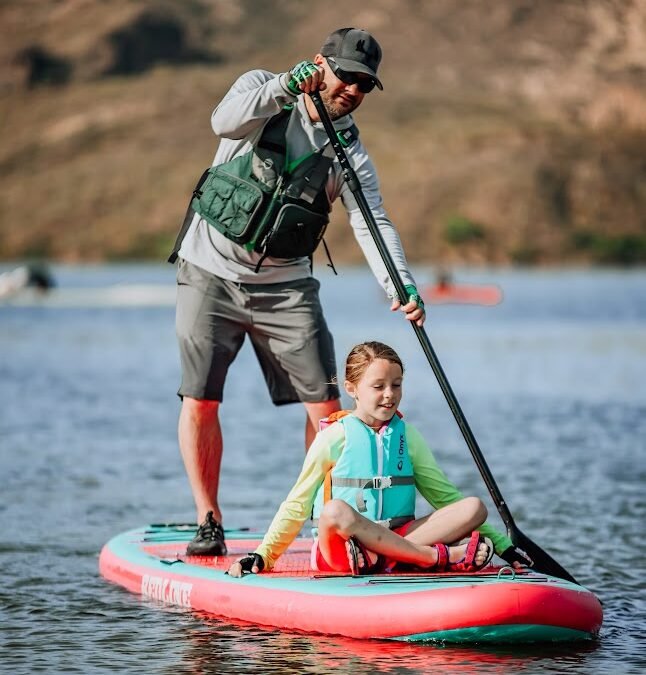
x=361 y=556
x=472 y=556
x=458 y=553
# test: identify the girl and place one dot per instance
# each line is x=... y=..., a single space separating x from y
x=358 y=481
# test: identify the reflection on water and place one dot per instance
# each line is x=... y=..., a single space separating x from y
x=552 y=381
x=217 y=648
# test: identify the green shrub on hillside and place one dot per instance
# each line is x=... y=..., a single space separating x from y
x=461 y=230
x=627 y=249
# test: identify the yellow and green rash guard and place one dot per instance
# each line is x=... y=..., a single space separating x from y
x=324 y=452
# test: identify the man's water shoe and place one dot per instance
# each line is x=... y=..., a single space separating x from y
x=209 y=539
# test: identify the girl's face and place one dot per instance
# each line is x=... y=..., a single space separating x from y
x=378 y=392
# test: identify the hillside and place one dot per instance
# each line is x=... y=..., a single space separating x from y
x=508 y=132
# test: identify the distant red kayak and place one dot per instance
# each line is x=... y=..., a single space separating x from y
x=462 y=294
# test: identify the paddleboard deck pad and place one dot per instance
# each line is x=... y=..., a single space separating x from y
x=492 y=605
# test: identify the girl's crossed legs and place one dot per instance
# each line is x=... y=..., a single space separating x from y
x=413 y=543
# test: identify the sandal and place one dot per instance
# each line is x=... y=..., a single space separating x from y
x=355 y=548
x=468 y=563
x=440 y=565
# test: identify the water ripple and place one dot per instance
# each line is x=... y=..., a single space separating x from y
x=556 y=398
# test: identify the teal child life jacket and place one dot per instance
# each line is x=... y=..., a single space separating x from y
x=374 y=474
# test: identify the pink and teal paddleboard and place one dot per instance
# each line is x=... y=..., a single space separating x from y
x=493 y=605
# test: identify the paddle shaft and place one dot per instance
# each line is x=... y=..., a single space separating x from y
x=517 y=537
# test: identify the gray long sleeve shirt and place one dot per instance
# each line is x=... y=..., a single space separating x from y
x=239 y=121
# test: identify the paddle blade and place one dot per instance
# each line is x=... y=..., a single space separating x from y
x=543 y=561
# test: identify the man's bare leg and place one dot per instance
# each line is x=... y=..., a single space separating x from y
x=200 y=442
x=315 y=413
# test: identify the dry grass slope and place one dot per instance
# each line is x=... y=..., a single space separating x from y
x=507 y=132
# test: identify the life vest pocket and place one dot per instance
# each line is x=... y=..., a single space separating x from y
x=229 y=203
x=295 y=232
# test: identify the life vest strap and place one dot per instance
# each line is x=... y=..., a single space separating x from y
x=394 y=523
x=327 y=487
x=314 y=182
x=374 y=483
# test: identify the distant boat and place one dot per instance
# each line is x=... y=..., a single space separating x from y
x=444 y=293
x=32 y=275
x=115 y=295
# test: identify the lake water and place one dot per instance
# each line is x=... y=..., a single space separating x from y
x=552 y=381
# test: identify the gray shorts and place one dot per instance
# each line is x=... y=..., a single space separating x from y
x=284 y=322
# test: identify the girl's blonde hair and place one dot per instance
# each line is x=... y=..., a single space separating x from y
x=362 y=355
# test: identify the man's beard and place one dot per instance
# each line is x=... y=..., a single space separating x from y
x=334 y=109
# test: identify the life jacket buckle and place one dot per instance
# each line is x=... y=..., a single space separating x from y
x=382 y=482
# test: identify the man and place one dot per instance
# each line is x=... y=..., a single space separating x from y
x=244 y=266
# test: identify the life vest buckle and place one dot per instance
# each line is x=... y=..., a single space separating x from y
x=382 y=482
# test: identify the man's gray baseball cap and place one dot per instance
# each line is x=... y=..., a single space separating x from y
x=354 y=50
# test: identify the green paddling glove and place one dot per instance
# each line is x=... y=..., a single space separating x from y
x=298 y=74
x=413 y=295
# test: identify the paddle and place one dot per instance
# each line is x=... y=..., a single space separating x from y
x=543 y=562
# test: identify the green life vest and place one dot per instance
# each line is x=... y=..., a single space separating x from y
x=259 y=201
x=374 y=474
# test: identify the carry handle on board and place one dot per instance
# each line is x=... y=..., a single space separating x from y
x=543 y=562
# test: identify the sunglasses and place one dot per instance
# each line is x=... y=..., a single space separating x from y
x=364 y=83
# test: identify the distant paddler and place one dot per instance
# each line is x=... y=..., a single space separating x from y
x=446 y=291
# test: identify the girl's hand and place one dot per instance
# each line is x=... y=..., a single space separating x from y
x=252 y=563
x=517 y=558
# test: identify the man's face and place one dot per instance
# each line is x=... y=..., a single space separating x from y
x=338 y=97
